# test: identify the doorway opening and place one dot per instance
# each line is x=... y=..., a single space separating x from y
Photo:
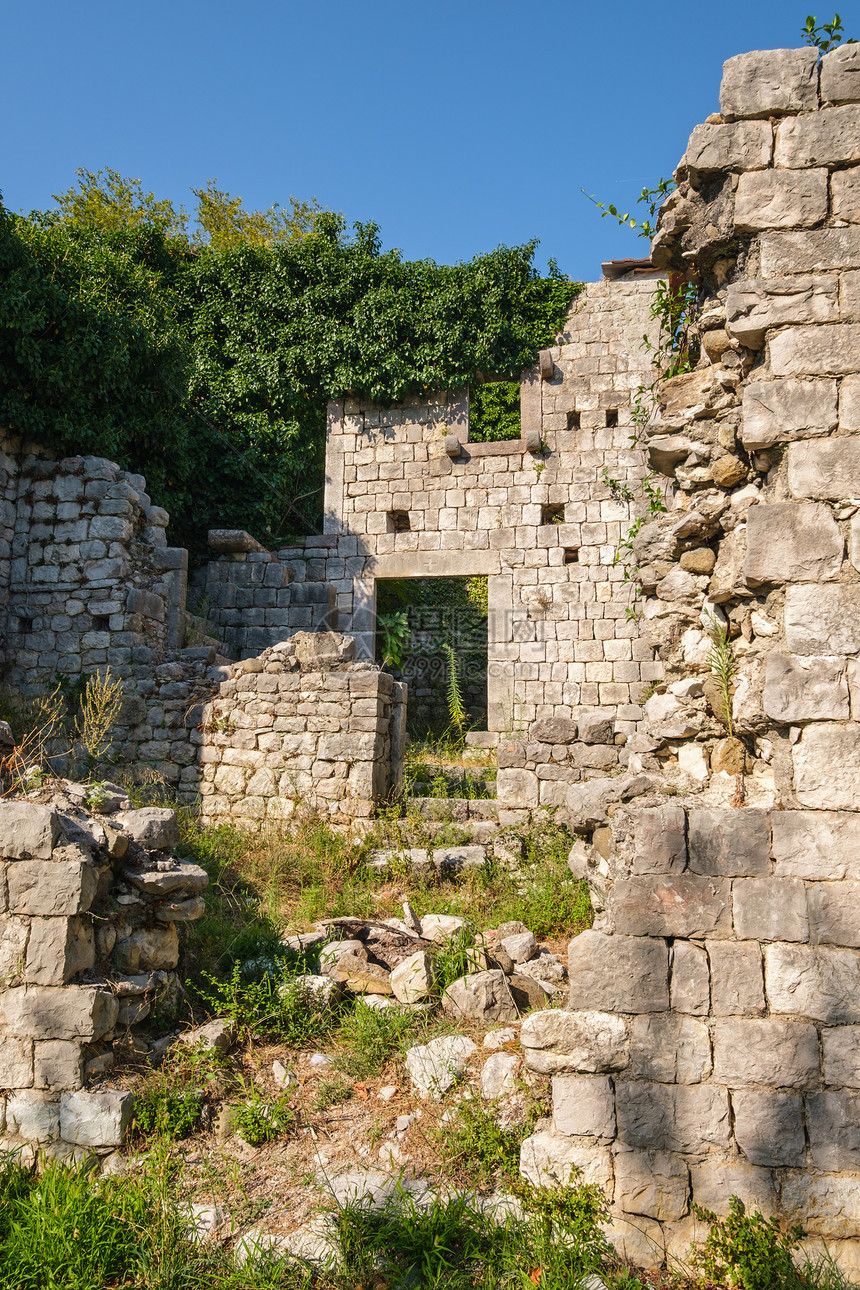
x=432 y=633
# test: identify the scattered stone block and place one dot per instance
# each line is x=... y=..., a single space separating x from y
x=153 y=827
x=412 y=979
x=436 y=1066
x=498 y=1075
x=361 y=977
x=441 y=927
x=481 y=996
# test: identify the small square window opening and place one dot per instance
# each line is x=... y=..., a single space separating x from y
x=552 y=513
x=398 y=522
x=573 y=420
x=571 y=555
x=101 y=622
x=611 y=417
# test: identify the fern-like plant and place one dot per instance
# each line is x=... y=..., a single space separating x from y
x=456 y=707
x=723 y=668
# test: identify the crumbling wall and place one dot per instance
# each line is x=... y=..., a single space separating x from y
x=89 y=909
x=255 y=598
x=302 y=729
x=710 y=1045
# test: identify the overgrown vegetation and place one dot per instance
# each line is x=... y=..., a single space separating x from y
x=206 y=363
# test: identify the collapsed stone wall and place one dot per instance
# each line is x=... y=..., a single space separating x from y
x=302 y=729
x=89 y=909
x=89 y=580
x=710 y=1042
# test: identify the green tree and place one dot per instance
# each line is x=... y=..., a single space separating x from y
x=223 y=223
x=106 y=200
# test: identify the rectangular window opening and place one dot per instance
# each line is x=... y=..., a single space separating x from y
x=25 y=623
x=573 y=420
x=101 y=622
x=611 y=417
x=571 y=555
x=398 y=522
x=494 y=412
x=552 y=513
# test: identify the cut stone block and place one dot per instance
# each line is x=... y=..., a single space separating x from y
x=690 y=979
x=746 y=145
x=792 y=542
x=805 y=688
x=779 y=411
x=834 y=1130
x=148 y=949
x=550 y=1159
x=618 y=973
x=841 y=1048
x=809 y=251
x=813 y=981
x=14 y=933
x=737 y=976
x=553 y=730
x=840 y=75
x=153 y=827
x=27 y=831
x=670 y=1117
x=826 y=468
x=481 y=996
x=58 y=949
x=823 y=619
x=845 y=194
x=583 y=1106
x=780 y=199
x=827 y=350
x=178 y=875
x=96 y=1119
x=819 y=139
x=232 y=541
x=51 y=888
x=654 y=1183
x=765 y=1051
x=769 y=1127
x=556 y=1041
x=825 y=767
x=671 y=1049
x=359 y=976
x=753 y=306
x=58 y=1064
x=659 y=840
x=834 y=913
x=770 y=909
x=772 y=82
x=729 y=843
x=715 y=1180
x=412 y=979
x=684 y=905
x=825 y=1206
x=34 y=1116
x=16 y=1062
x=58 y=1012
x=434 y=1067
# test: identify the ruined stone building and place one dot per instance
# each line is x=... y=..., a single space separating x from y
x=710 y=1045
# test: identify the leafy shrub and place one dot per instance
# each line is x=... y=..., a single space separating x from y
x=474 y=1140
x=370 y=1038
x=166 y=1112
x=273 y=1006
x=750 y=1251
x=257 y=1120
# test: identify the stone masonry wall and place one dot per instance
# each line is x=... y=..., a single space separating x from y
x=710 y=1046
x=302 y=729
x=89 y=909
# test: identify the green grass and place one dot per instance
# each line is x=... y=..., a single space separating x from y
x=370 y=1038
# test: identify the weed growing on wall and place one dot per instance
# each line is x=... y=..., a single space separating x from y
x=827 y=36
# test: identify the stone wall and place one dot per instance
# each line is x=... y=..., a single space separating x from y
x=90 y=580
x=710 y=1042
x=302 y=729
x=89 y=908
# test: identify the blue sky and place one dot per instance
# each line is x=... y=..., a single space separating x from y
x=456 y=125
